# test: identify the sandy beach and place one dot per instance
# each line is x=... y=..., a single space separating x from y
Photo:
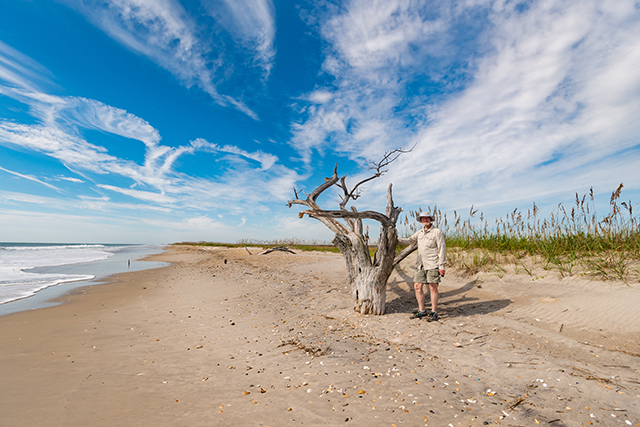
x=225 y=337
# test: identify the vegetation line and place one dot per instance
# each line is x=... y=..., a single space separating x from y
x=570 y=242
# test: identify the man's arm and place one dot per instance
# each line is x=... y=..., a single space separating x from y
x=442 y=252
x=408 y=240
x=405 y=241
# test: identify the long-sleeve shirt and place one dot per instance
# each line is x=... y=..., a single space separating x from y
x=432 y=250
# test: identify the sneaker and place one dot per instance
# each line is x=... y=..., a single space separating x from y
x=432 y=316
x=420 y=314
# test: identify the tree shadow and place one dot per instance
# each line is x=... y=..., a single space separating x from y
x=464 y=307
x=405 y=302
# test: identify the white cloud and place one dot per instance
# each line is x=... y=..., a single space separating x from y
x=163 y=31
x=93 y=114
x=59 y=134
x=320 y=96
x=376 y=49
x=251 y=22
x=11 y=196
x=20 y=70
x=550 y=97
x=80 y=203
x=237 y=188
x=266 y=160
x=374 y=35
x=30 y=178
x=543 y=110
x=70 y=179
x=141 y=195
x=105 y=205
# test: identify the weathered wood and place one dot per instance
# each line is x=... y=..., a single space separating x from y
x=277 y=248
x=367 y=277
x=405 y=252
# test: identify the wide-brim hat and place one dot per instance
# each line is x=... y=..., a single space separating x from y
x=425 y=215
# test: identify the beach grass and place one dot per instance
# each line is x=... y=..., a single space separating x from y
x=569 y=241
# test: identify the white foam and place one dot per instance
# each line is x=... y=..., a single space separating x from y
x=16 y=279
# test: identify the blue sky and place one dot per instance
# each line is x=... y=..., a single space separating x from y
x=156 y=121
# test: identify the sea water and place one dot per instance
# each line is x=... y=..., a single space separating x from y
x=31 y=274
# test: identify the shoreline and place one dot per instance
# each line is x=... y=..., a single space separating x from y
x=273 y=340
x=95 y=272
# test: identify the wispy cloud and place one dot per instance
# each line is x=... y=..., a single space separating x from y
x=240 y=176
x=81 y=203
x=10 y=196
x=164 y=32
x=146 y=196
x=543 y=96
x=266 y=160
x=375 y=50
x=543 y=106
x=69 y=179
x=192 y=223
x=30 y=178
x=59 y=135
x=252 y=23
x=19 y=70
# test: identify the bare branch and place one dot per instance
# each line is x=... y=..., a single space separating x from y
x=328 y=183
x=388 y=158
x=331 y=223
x=405 y=253
x=381 y=218
x=354 y=194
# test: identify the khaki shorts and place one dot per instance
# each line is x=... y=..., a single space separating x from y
x=426 y=276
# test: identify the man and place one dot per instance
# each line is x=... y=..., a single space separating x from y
x=432 y=257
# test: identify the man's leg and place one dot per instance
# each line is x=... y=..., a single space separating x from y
x=419 y=288
x=433 y=288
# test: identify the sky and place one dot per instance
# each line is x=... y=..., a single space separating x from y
x=160 y=121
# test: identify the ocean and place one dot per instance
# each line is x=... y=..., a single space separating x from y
x=31 y=274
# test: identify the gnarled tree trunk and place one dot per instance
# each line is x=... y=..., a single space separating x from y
x=368 y=277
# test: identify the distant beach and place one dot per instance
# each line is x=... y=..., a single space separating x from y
x=32 y=274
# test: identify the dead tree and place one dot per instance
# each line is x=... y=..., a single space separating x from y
x=277 y=248
x=368 y=277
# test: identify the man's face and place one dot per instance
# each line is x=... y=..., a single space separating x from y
x=426 y=221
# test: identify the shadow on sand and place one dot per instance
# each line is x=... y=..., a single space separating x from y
x=453 y=303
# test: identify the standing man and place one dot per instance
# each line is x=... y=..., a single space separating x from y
x=432 y=257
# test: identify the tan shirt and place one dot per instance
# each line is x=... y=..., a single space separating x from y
x=432 y=251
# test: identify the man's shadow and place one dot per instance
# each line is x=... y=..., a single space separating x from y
x=405 y=302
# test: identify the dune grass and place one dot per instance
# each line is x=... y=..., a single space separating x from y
x=570 y=241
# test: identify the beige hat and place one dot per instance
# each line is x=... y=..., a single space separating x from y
x=425 y=215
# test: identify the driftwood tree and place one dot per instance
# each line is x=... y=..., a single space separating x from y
x=368 y=277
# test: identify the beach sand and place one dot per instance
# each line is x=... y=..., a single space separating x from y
x=225 y=337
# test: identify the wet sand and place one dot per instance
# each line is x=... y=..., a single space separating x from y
x=223 y=337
